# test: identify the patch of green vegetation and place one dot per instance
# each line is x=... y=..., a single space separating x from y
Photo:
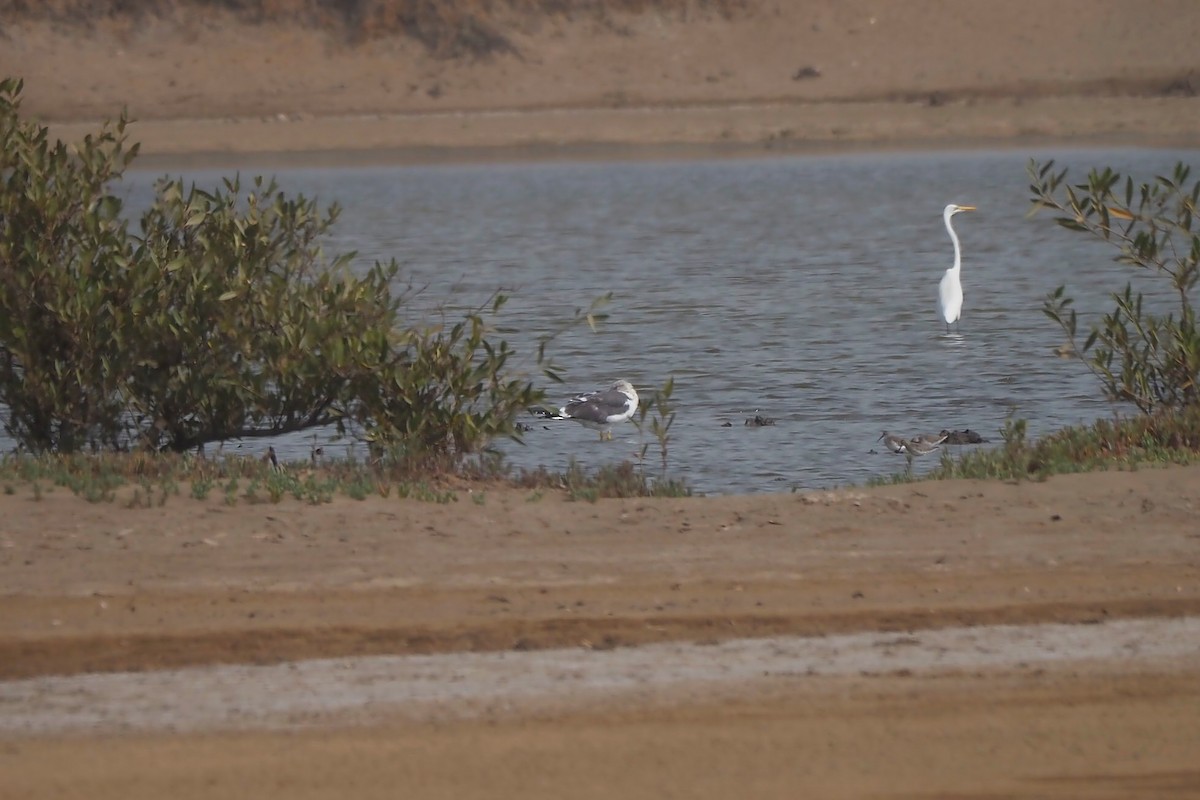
x=156 y=478
x=202 y=486
x=625 y=479
x=426 y=494
x=618 y=480
x=1141 y=357
x=218 y=316
x=656 y=414
x=1167 y=437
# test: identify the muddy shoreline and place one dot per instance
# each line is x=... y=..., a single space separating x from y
x=651 y=134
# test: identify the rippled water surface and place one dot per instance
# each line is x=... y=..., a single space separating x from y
x=802 y=289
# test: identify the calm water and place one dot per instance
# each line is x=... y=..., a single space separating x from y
x=800 y=288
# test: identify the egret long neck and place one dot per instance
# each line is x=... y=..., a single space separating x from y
x=954 y=238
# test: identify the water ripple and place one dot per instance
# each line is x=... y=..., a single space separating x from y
x=801 y=288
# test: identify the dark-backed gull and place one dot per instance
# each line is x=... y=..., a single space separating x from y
x=601 y=409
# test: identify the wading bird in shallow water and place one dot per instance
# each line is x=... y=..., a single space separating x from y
x=599 y=410
x=928 y=438
x=950 y=293
x=917 y=446
x=892 y=442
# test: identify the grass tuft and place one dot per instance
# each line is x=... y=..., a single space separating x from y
x=1168 y=437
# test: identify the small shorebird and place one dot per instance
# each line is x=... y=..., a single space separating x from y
x=601 y=409
x=920 y=447
x=928 y=438
x=893 y=443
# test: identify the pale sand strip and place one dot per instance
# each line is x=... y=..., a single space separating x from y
x=465 y=685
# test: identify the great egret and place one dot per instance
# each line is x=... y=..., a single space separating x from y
x=601 y=409
x=950 y=293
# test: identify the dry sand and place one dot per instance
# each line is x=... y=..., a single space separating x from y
x=950 y=639
x=947 y=640
x=779 y=76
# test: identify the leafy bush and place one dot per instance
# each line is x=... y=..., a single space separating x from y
x=447 y=391
x=60 y=234
x=242 y=329
x=221 y=320
x=1149 y=360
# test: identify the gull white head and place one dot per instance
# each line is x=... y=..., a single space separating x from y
x=626 y=388
x=601 y=409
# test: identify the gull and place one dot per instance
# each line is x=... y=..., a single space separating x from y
x=599 y=410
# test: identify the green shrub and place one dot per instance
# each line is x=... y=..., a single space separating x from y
x=1149 y=360
x=447 y=392
x=62 y=240
x=657 y=413
x=242 y=327
x=221 y=319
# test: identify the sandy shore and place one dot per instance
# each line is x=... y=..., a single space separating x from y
x=905 y=641
x=207 y=89
x=660 y=133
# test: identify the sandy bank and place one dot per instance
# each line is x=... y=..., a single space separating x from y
x=772 y=77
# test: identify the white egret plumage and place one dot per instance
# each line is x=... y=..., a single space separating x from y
x=950 y=293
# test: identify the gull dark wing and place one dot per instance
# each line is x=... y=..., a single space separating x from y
x=597 y=406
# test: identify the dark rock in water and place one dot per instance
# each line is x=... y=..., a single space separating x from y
x=966 y=436
x=759 y=421
x=726 y=424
